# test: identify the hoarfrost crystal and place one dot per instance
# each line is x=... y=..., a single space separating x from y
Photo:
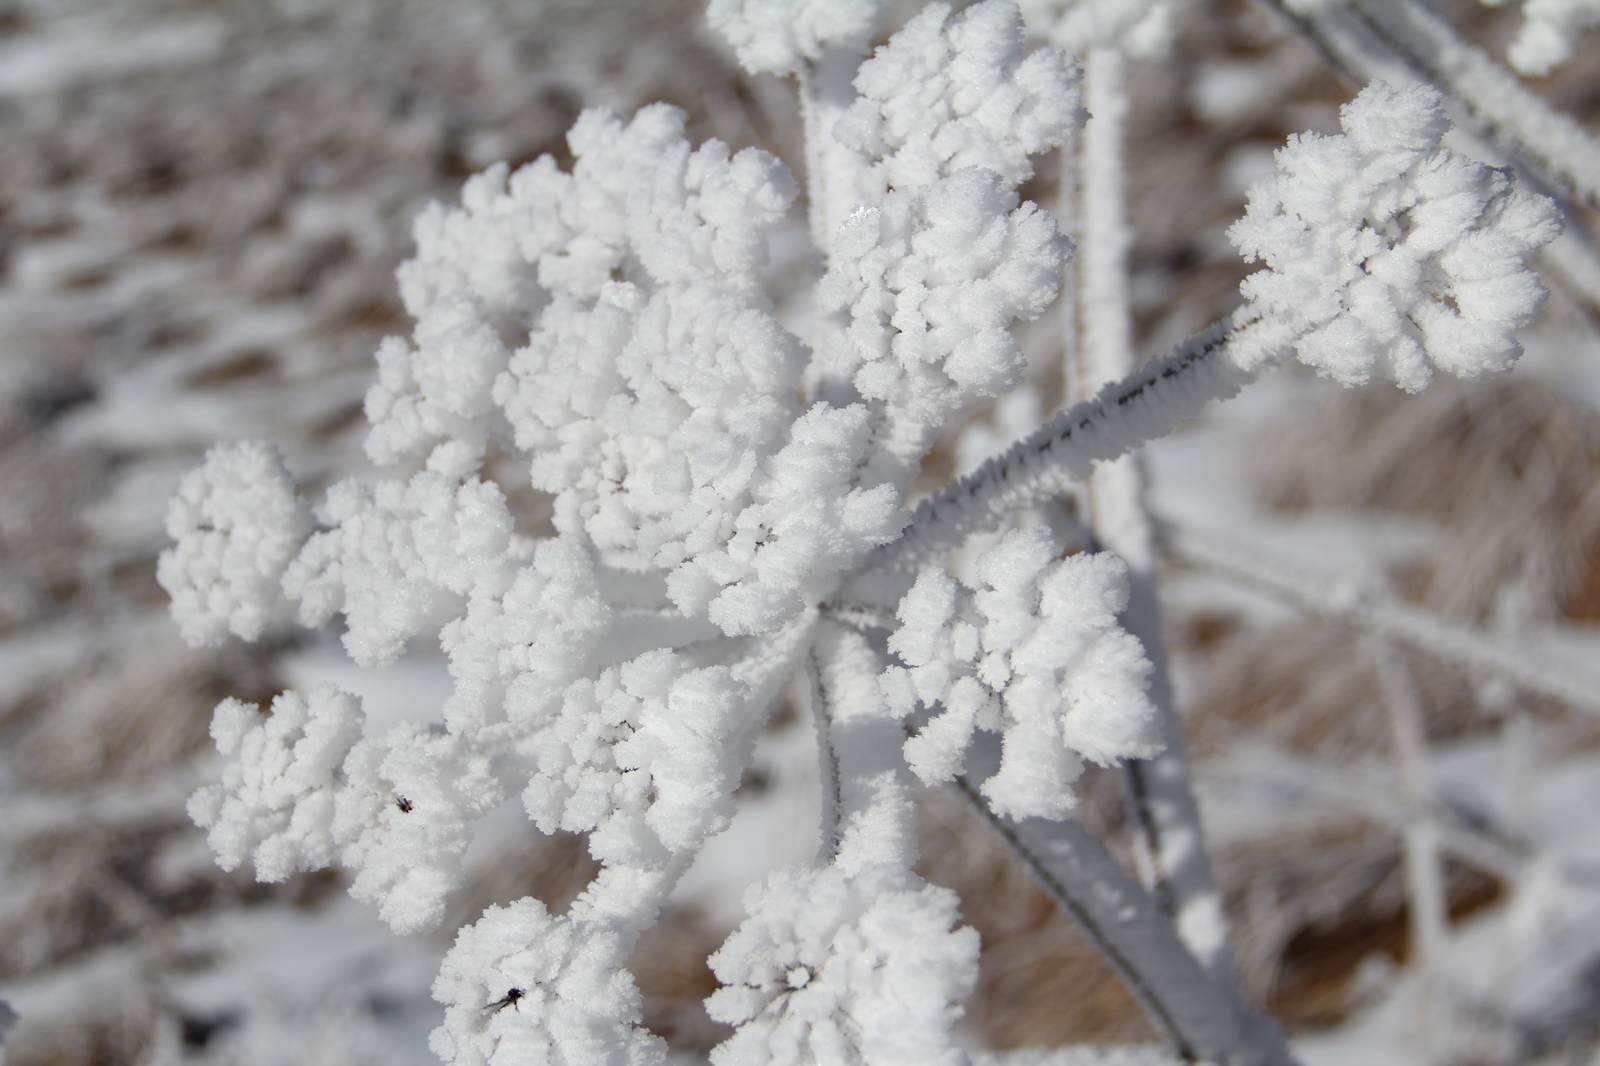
x=237 y=523
x=1386 y=251
x=1035 y=654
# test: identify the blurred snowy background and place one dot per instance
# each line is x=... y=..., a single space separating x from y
x=202 y=203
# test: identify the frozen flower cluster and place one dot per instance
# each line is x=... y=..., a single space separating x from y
x=238 y=524
x=304 y=789
x=1035 y=654
x=1387 y=252
x=719 y=486
x=713 y=480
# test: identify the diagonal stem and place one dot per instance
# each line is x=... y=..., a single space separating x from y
x=1199 y=1016
x=1143 y=406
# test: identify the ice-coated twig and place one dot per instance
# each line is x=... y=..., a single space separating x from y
x=1367 y=612
x=1126 y=414
x=1164 y=811
x=814 y=701
x=1200 y=1018
x=1399 y=41
x=1105 y=348
x=1160 y=800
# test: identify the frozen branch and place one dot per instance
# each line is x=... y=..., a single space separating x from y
x=1200 y=1018
x=1518 y=120
x=1147 y=404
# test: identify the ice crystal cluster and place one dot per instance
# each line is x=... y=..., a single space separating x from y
x=1035 y=652
x=715 y=480
x=1388 y=252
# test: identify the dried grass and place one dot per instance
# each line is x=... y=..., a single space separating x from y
x=1509 y=469
x=1309 y=688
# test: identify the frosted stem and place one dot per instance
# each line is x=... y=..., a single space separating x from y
x=1424 y=881
x=808 y=685
x=1126 y=414
x=1160 y=799
x=1105 y=345
x=1199 y=1017
x=833 y=171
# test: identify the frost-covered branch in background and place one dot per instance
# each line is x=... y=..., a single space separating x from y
x=1549 y=32
x=1402 y=40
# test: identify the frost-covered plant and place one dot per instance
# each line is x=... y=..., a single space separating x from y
x=1386 y=251
x=730 y=514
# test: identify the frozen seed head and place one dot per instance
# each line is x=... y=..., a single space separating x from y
x=1387 y=252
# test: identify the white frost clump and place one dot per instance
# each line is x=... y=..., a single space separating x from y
x=784 y=36
x=930 y=281
x=838 y=968
x=521 y=986
x=1549 y=31
x=1386 y=251
x=275 y=804
x=713 y=483
x=950 y=93
x=304 y=789
x=927 y=278
x=1035 y=654
x=237 y=523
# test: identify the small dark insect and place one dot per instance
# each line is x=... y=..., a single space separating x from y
x=403 y=803
x=505 y=1001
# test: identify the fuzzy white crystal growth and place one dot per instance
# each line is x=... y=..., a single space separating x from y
x=950 y=93
x=1387 y=252
x=1035 y=654
x=928 y=275
x=303 y=789
x=237 y=523
x=275 y=803
x=521 y=986
x=783 y=36
x=838 y=968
